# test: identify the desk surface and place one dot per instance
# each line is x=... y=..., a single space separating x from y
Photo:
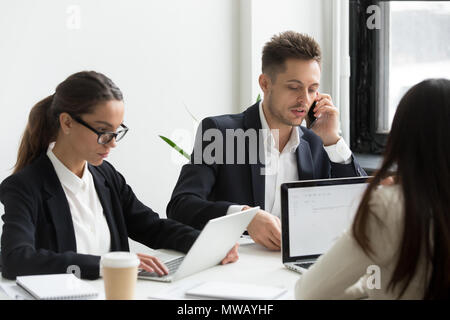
x=256 y=265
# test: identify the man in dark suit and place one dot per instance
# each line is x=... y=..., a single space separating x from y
x=240 y=160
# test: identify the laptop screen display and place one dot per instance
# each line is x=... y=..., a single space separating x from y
x=318 y=215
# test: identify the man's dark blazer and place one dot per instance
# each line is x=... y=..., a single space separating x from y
x=205 y=191
x=38 y=235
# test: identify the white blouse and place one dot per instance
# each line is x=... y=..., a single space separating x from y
x=346 y=272
x=91 y=229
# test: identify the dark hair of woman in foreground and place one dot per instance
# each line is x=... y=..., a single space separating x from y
x=417 y=155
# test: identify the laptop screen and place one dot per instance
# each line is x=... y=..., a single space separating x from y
x=314 y=214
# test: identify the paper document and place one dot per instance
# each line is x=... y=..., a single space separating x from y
x=239 y=291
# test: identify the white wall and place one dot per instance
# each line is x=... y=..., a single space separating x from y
x=261 y=19
x=162 y=54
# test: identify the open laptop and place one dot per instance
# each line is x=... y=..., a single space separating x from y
x=314 y=213
x=212 y=245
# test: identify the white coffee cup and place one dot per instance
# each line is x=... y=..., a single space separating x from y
x=119 y=271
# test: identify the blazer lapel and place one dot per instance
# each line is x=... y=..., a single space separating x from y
x=304 y=160
x=104 y=194
x=252 y=121
x=58 y=207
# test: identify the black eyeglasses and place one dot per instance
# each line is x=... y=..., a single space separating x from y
x=105 y=137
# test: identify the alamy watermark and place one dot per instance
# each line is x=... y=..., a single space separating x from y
x=73 y=21
x=374 y=20
x=73 y=283
x=373 y=281
x=74 y=269
x=234 y=146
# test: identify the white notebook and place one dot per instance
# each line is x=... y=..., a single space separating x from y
x=57 y=287
x=239 y=291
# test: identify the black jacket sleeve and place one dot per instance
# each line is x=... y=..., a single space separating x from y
x=189 y=203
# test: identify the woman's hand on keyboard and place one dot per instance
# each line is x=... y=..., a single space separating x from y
x=152 y=264
x=232 y=255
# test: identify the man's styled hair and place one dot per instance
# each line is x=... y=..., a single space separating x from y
x=288 y=44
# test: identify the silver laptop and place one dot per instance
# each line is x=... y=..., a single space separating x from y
x=212 y=245
x=314 y=214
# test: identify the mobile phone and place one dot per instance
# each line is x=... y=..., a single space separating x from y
x=311 y=117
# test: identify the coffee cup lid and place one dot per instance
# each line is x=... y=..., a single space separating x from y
x=119 y=259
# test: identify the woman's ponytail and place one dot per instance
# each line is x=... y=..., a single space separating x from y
x=39 y=132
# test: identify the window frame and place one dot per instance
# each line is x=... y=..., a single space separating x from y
x=364 y=63
x=369 y=64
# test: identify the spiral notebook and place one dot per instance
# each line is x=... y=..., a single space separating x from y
x=65 y=286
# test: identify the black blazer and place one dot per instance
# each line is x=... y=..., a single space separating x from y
x=205 y=191
x=38 y=235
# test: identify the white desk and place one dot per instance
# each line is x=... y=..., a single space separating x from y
x=256 y=265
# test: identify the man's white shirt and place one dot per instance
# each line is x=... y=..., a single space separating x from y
x=281 y=166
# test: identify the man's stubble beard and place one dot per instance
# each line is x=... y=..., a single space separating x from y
x=277 y=115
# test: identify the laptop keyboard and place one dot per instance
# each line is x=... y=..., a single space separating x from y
x=172 y=265
x=304 y=265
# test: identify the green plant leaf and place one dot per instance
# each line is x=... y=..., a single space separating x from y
x=177 y=148
x=190 y=113
x=258 y=98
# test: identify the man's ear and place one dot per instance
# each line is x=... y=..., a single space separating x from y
x=265 y=83
x=65 y=122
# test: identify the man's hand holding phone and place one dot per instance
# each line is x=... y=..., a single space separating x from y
x=326 y=125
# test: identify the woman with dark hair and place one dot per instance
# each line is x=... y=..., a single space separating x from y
x=399 y=244
x=64 y=205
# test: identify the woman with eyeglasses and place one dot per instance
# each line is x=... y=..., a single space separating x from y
x=64 y=205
